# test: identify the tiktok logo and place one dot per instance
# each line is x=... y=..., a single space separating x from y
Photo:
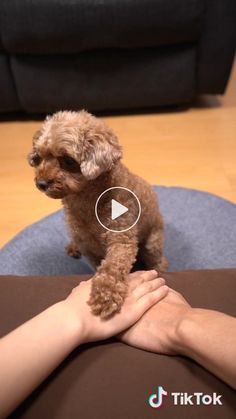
x=184 y=399
x=155 y=400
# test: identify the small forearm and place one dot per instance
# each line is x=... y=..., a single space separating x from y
x=209 y=337
x=32 y=351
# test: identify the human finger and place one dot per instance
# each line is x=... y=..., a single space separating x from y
x=151 y=298
x=147 y=287
x=139 y=277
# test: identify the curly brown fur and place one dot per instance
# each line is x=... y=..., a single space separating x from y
x=76 y=157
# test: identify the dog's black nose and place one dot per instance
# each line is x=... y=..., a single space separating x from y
x=42 y=185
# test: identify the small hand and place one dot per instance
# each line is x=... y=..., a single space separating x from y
x=144 y=290
x=107 y=295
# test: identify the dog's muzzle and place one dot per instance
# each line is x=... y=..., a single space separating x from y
x=42 y=185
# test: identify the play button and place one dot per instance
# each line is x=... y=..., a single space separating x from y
x=117 y=209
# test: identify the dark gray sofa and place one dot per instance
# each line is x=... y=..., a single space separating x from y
x=113 y=54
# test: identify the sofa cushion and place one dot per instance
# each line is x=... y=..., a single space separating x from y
x=110 y=379
x=8 y=95
x=217 y=46
x=69 y=26
x=106 y=79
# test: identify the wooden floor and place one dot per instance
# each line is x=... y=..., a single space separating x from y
x=194 y=149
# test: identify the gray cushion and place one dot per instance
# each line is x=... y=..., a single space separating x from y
x=200 y=234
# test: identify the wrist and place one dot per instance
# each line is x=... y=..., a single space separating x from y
x=181 y=332
x=186 y=331
x=71 y=324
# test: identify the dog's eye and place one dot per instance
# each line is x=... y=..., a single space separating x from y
x=34 y=159
x=69 y=164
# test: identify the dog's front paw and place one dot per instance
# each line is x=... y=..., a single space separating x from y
x=72 y=250
x=163 y=265
x=107 y=297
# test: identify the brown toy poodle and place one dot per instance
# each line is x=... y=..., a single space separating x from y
x=76 y=157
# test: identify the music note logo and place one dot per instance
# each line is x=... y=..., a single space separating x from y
x=155 y=400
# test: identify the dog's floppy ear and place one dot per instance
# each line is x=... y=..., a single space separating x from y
x=32 y=156
x=100 y=152
x=36 y=136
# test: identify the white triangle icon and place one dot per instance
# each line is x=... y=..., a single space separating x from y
x=117 y=209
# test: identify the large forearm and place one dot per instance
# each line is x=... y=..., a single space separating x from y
x=32 y=351
x=209 y=337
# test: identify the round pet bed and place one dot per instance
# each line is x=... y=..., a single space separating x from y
x=200 y=233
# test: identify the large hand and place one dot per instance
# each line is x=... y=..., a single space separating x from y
x=144 y=290
x=157 y=330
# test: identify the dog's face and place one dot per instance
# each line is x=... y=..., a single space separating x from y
x=71 y=149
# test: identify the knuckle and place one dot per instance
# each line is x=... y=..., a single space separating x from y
x=162 y=280
x=148 y=286
x=151 y=298
x=151 y=288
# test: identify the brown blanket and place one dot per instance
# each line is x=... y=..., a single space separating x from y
x=111 y=380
